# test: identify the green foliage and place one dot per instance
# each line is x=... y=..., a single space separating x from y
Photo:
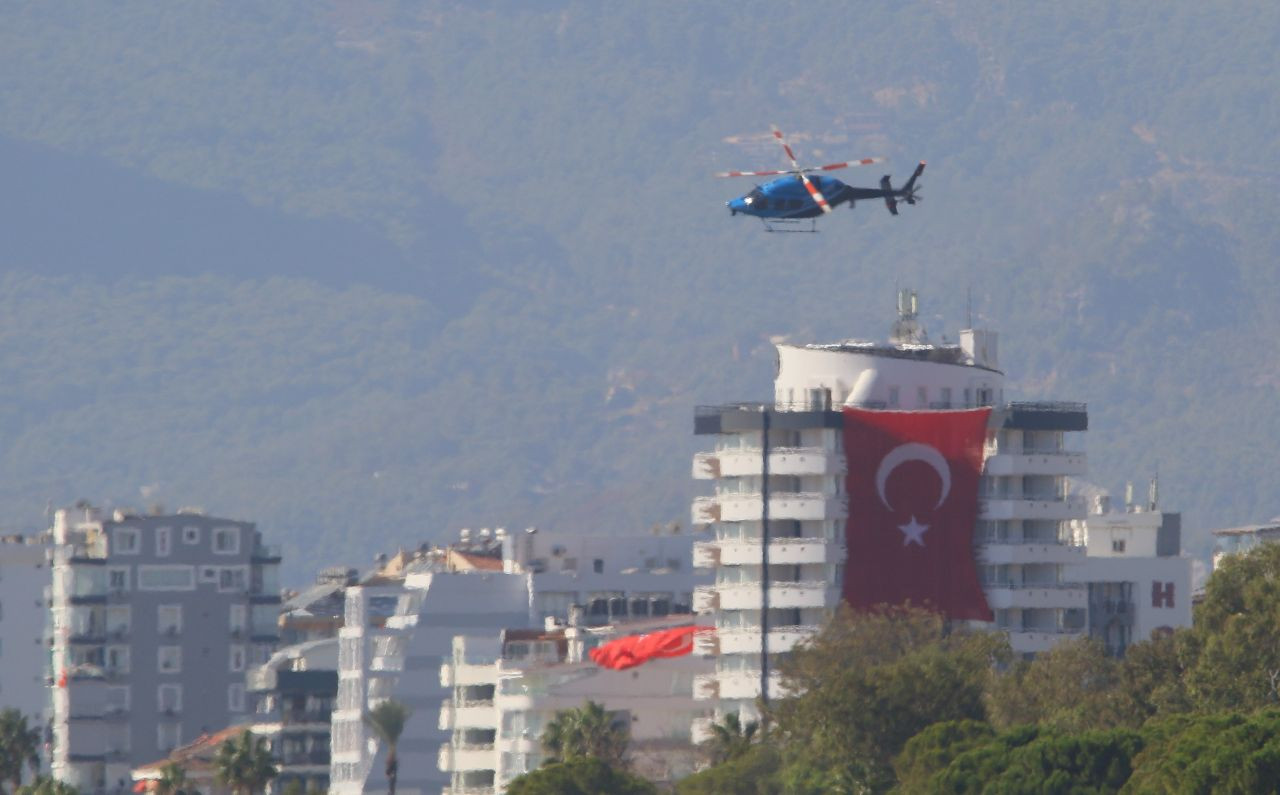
x=753 y=772
x=587 y=731
x=730 y=738
x=934 y=748
x=47 y=786
x=1227 y=753
x=1028 y=759
x=19 y=747
x=244 y=764
x=1232 y=654
x=867 y=684
x=173 y=781
x=581 y=775
x=1073 y=686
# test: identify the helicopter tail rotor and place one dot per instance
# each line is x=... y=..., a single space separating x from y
x=909 y=189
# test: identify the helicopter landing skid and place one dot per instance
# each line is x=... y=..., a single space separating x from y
x=789 y=225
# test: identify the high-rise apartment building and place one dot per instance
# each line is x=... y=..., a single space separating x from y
x=24 y=655
x=843 y=469
x=155 y=619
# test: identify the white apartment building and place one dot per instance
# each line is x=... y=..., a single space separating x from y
x=24 y=612
x=1138 y=581
x=504 y=690
x=1239 y=540
x=446 y=593
x=1023 y=543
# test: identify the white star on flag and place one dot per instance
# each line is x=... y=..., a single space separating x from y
x=913 y=532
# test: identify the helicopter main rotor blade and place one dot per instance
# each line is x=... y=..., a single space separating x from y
x=786 y=148
x=751 y=173
x=816 y=194
x=866 y=161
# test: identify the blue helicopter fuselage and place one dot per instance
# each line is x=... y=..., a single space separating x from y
x=787 y=197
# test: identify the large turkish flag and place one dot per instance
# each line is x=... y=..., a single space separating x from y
x=913 y=502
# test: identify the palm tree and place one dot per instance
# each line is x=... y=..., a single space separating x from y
x=244 y=764
x=173 y=781
x=19 y=747
x=387 y=720
x=730 y=738
x=588 y=730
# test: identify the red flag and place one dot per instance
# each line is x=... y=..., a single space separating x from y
x=913 y=502
x=633 y=650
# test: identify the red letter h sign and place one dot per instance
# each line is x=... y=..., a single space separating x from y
x=1162 y=594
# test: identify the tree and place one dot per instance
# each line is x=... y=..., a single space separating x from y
x=47 y=786
x=1033 y=759
x=934 y=748
x=1073 y=686
x=1225 y=753
x=753 y=772
x=730 y=738
x=587 y=731
x=868 y=683
x=19 y=747
x=1232 y=654
x=580 y=775
x=173 y=780
x=244 y=764
x=387 y=720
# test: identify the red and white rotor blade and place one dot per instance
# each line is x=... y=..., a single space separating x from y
x=866 y=161
x=816 y=194
x=751 y=173
x=786 y=147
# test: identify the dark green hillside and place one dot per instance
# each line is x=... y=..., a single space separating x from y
x=380 y=270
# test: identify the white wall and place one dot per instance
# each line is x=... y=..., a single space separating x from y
x=855 y=377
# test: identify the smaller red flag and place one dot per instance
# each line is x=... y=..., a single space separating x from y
x=633 y=650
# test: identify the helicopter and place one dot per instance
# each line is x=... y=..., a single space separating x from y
x=781 y=203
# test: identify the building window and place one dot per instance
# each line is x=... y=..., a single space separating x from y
x=235 y=698
x=239 y=616
x=118 y=579
x=124 y=541
x=597 y=566
x=226 y=540
x=893 y=397
x=118 y=620
x=946 y=397
x=237 y=657
x=166 y=578
x=169 y=699
x=170 y=659
x=164 y=535
x=231 y=579
x=1117 y=545
x=209 y=574
x=118 y=659
x=168 y=736
x=922 y=397
x=190 y=535
x=117 y=699
x=170 y=619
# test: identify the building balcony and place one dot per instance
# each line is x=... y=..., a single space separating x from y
x=747 y=595
x=1056 y=463
x=997 y=552
x=792 y=461
x=745 y=684
x=706 y=554
x=266 y=553
x=746 y=640
x=706 y=510
x=1029 y=596
x=706 y=466
x=467 y=716
x=797 y=506
x=700 y=731
x=706 y=687
x=1035 y=641
x=454 y=674
x=457 y=759
x=1050 y=508
x=705 y=598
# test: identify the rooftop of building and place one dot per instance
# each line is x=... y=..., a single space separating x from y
x=195 y=758
x=1250 y=529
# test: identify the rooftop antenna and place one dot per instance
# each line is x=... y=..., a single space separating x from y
x=1153 y=491
x=968 y=305
x=907 y=328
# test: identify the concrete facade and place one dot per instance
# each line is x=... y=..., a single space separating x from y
x=155 y=620
x=24 y=614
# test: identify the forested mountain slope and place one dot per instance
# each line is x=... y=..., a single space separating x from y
x=378 y=270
